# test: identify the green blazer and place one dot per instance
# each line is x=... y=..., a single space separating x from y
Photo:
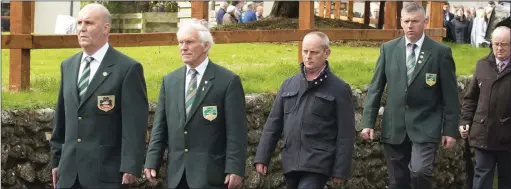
x=212 y=141
x=98 y=139
x=425 y=110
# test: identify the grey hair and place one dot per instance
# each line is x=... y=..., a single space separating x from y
x=500 y=30
x=323 y=36
x=199 y=26
x=413 y=7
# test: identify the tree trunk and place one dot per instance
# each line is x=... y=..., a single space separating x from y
x=287 y=9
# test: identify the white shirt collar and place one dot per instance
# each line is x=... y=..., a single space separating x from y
x=201 y=68
x=99 y=55
x=418 y=43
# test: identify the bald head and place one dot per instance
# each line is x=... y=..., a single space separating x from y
x=98 y=10
x=501 y=42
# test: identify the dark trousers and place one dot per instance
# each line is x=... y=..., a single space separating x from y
x=410 y=165
x=305 y=180
x=486 y=162
x=183 y=184
x=77 y=185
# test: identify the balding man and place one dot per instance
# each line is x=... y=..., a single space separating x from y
x=315 y=113
x=221 y=12
x=101 y=114
x=259 y=12
x=200 y=119
x=486 y=114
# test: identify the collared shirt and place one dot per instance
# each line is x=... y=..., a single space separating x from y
x=200 y=69
x=94 y=65
x=417 y=49
x=505 y=62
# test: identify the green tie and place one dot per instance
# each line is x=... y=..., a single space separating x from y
x=83 y=82
x=191 y=91
x=410 y=63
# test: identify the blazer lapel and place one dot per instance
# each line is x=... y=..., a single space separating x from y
x=74 y=68
x=423 y=57
x=180 y=94
x=102 y=73
x=203 y=89
x=400 y=54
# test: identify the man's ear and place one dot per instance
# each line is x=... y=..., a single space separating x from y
x=206 y=46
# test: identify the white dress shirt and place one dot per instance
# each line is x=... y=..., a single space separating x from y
x=200 y=69
x=417 y=49
x=94 y=65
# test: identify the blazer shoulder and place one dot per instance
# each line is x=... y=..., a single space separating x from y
x=392 y=43
x=121 y=57
x=70 y=59
x=224 y=72
x=174 y=74
x=437 y=45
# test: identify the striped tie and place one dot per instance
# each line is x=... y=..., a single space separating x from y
x=410 y=63
x=191 y=91
x=83 y=82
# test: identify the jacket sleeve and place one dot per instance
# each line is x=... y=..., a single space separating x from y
x=374 y=93
x=450 y=95
x=271 y=132
x=59 y=125
x=236 y=128
x=470 y=100
x=159 y=134
x=345 y=135
x=135 y=113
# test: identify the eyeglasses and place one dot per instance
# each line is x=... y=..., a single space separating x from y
x=500 y=44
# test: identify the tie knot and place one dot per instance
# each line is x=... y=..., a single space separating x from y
x=193 y=71
x=413 y=45
x=89 y=59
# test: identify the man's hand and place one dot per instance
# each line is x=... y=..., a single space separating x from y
x=367 y=134
x=233 y=181
x=448 y=142
x=128 y=178
x=150 y=174
x=261 y=169
x=337 y=180
x=54 y=172
x=464 y=131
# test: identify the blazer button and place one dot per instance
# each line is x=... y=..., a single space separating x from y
x=79 y=140
x=79 y=118
x=186 y=132
x=186 y=150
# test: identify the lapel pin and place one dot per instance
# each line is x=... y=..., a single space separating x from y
x=420 y=61
x=422 y=52
x=320 y=79
x=422 y=56
x=205 y=82
x=202 y=88
x=105 y=74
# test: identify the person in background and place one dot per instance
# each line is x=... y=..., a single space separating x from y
x=461 y=27
x=478 y=33
x=221 y=12
x=249 y=15
x=230 y=16
x=239 y=7
x=259 y=12
x=448 y=16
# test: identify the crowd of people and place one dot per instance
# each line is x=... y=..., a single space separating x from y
x=467 y=25
x=238 y=12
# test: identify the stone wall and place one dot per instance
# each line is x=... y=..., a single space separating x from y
x=25 y=152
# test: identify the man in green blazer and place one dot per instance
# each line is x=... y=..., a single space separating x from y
x=422 y=107
x=200 y=118
x=101 y=114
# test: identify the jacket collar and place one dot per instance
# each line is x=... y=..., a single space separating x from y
x=323 y=75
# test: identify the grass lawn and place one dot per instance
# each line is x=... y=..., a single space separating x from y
x=262 y=67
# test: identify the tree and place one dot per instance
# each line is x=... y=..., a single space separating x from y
x=287 y=9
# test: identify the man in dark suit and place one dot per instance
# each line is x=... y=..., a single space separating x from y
x=314 y=110
x=422 y=107
x=200 y=118
x=448 y=16
x=101 y=114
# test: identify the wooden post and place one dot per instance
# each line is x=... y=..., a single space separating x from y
x=390 y=15
x=337 y=10
x=398 y=12
x=321 y=9
x=350 y=11
x=200 y=10
x=328 y=7
x=19 y=59
x=436 y=16
x=367 y=13
x=305 y=21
